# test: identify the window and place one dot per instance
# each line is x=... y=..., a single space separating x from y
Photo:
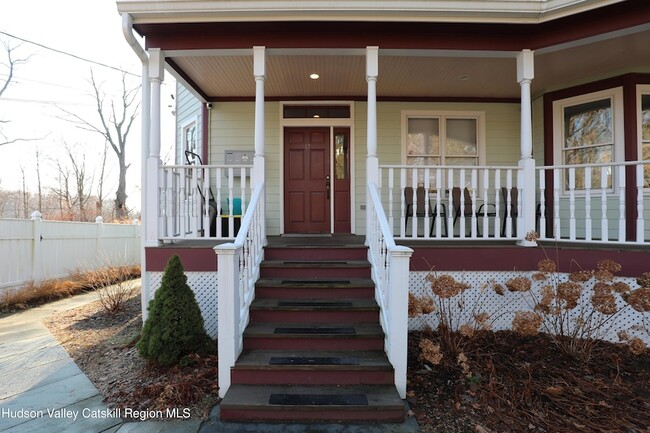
x=443 y=139
x=190 y=142
x=644 y=153
x=588 y=131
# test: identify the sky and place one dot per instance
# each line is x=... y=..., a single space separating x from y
x=63 y=40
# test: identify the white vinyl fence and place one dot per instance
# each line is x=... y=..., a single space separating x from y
x=36 y=250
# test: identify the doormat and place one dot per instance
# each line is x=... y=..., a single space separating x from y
x=316 y=331
x=314 y=304
x=312 y=360
x=319 y=399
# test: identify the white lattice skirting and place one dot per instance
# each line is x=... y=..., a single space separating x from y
x=204 y=286
x=481 y=298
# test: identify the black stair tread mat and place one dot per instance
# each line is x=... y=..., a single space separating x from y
x=380 y=397
x=315 y=304
x=313 y=360
x=316 y=330
x=259 y=358
x=267 y=330
x=319 y=399
x=316 y=281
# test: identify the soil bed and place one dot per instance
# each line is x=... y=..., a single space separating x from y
x=525 y=384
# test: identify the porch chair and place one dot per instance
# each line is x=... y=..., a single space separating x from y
x=482 y=212
x=514 y=210
x=420 y=213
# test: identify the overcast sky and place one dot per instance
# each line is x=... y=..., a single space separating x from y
x=90 y=29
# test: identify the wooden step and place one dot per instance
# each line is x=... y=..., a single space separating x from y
x=274 y=367
x=330 y=288
x=314 y=310
x=315 y=269
x=300 y=336
x=316 y=252
x=365 y=403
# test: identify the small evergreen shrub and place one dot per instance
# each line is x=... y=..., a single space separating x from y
x=174 y=327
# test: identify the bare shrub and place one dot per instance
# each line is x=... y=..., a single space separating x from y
x=114 y=284
x=577 y=313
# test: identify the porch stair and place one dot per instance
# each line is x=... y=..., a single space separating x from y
x=313 y=350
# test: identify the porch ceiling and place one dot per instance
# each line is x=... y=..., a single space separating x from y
x=426 y=74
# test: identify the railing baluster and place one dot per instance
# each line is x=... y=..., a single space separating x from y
x=542 y=204
x=640 y=227
x=391 y=187
x=450 y=205
x=206 y=205
x=438 y=205
x=182 y=203
x=556 y=204
x=169 y=209
x=604 y=228
x=620 y=171
x=473 y=228
x=572 y=203
x=497 y=203
x=427 y=185
x=588 y=204
x=414 y=200
x=484 y=188
x=402 y=201
x=508 y=203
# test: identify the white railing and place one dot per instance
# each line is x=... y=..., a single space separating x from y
x=453 y=202
x=588 y=203
x=36 y=250
x=202 y=201
x=238 y=269
x=390 y=272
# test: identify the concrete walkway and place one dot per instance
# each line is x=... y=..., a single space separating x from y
x=43 y=390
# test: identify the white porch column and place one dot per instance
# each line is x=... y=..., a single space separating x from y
x=525 y=75
x=152 y=203
x=372 y=161
x=259 y=70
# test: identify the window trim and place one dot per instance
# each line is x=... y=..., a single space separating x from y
x=615 y=94
x=444 y=115
x=641 y=90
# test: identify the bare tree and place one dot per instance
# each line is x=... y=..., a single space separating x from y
x=116 y=121
x=9 y=68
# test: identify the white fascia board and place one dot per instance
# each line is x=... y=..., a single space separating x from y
x=488 y=11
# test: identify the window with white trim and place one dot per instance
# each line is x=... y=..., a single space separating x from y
x=442 y=139
x=190 y=141
x=588 y=130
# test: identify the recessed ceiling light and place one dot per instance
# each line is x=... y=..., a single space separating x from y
x=463 y=77
x=314 y=76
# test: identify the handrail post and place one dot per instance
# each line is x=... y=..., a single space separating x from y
x=229 y=334
x=398 y=290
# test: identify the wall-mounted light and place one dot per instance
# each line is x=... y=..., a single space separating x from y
x=314 y=76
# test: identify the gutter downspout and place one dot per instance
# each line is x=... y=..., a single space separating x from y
x=127 y=30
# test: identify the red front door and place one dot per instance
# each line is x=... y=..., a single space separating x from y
x=307 y=183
